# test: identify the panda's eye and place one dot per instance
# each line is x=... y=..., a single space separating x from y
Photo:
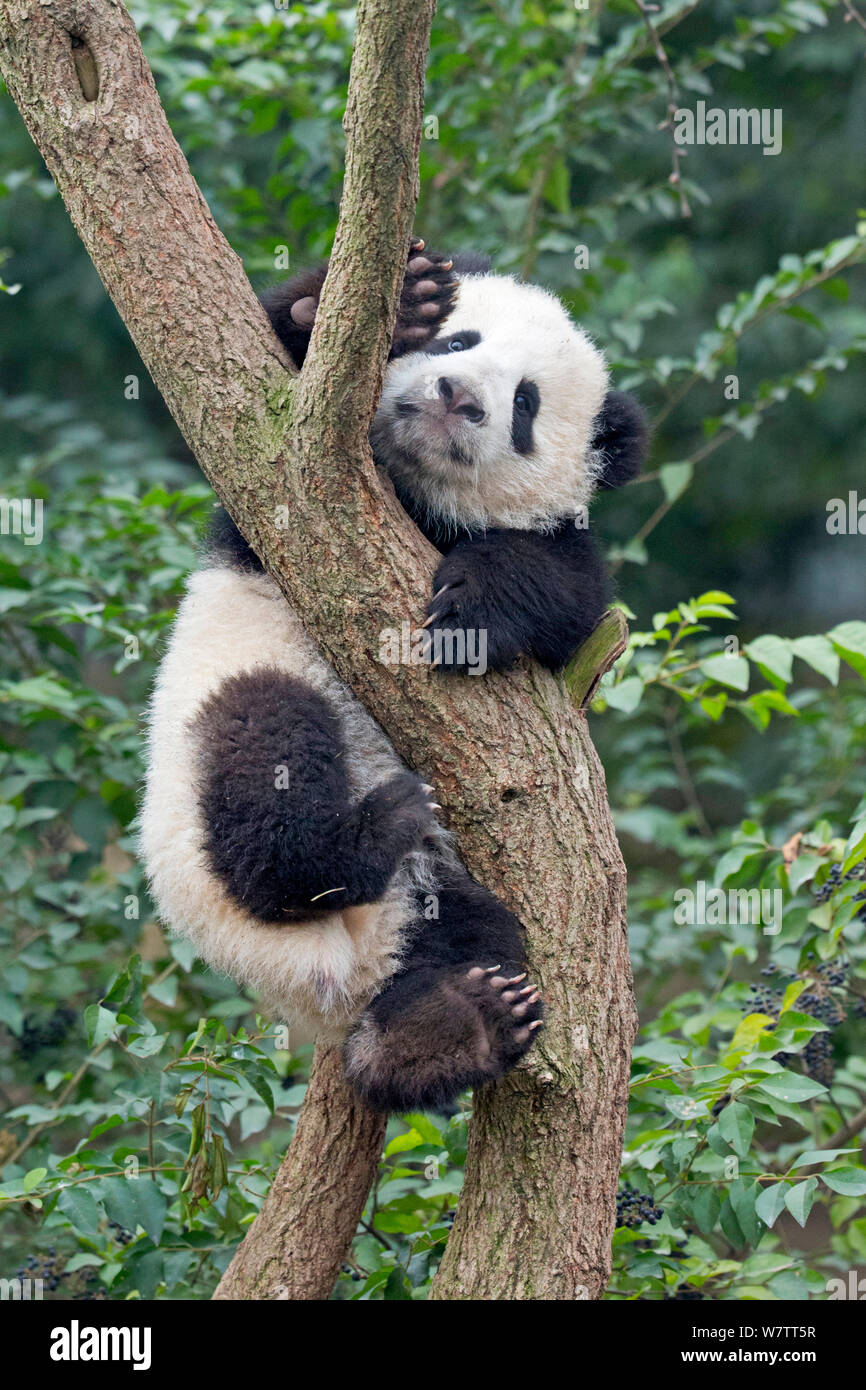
x=521 y=401
x=456 y=345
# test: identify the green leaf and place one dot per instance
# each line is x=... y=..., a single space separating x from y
x=772 y=654
x=625 y=696
x=744 y=1039
x=818 y=1156
x=99 y=1024
x=404 y=1143
x=33 y=1178
x=119 y=1202
x=80 y=1207
x=850 y=1182
x=397 y=1285
x=772 y=1202
x=714 y=596
x=803 y=870
x=850 y=640
x=150 y=1206
x=146 y=1272
x=727 y=670
x=147 y=1046
x=819 y=653
x=799 y=1199
x=675 y=478
x=425 y=1127
x=742 y=1195
x=790 y=1085
x=737 y=1125
x=714 y=705
x=706 y=1208
x=734 y=859
x=730 y=1225
x=791 y=995
x=42 y=691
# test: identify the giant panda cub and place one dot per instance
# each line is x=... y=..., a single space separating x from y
x=279 y=830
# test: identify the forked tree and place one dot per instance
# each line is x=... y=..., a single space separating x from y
x=510 y=756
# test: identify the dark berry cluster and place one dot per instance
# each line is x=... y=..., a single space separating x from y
x=634 y=1207
x=45 y=1268
x=821 y=999
x=49 y=1268
x=836 y=878
x=817 y=1058
x=42 y=1032
x=121 y=1234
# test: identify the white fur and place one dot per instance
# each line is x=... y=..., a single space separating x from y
x=320 y=973
x=525 y=333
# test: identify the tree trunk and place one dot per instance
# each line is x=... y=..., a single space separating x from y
x=308 y=1219
x=511 y=760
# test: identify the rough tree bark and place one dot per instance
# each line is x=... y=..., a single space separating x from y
x=512 y=761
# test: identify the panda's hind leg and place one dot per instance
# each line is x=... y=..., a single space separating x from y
x=281 y=831
x=460 y=1012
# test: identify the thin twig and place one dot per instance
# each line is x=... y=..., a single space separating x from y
x=687 y=786
x=852 y=13
x=675 y=179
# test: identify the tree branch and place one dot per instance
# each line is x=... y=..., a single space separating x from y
x=307 y=1222
x=512 y=762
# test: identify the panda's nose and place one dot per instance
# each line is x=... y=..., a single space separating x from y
x=459 y=400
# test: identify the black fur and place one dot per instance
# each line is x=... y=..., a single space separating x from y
x=427 y=298
x=436 y=1029
x=278 y=301
x=225 y=544
x=471 y=263
x=523 y=412
x=535 y=595
x=280 y=826
x=622 y=435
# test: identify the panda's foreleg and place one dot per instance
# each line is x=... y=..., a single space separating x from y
x=528 y=594
x=426 y=300
x=281 y=830
x=460 y=1012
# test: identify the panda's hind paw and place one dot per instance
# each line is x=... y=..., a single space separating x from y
x=458 y=1029
x=521 y=1004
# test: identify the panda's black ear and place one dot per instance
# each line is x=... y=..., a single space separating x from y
x=471 y=263
x=621 y=437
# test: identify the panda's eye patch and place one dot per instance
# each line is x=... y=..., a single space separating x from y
x=455 y=342
x=526 y=398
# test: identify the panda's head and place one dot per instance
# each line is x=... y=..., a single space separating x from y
x=495 y=422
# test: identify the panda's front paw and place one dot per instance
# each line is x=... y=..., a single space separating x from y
x=399 y=814
x=469 y=626
x=429 y=290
